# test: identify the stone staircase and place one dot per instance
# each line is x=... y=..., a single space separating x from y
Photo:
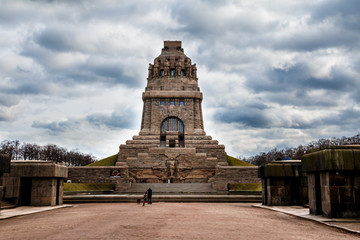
x=171 y=188
x=6 y=205
x=164 y=192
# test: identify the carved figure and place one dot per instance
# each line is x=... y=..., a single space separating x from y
x=156 y=69
x=188 y=69
x=194 y=68
x=166 y=68
x=178 y=67
x=171 y=166
x=150 y=74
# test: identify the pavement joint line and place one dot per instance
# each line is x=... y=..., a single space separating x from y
x=314 y=218
x=26 y=210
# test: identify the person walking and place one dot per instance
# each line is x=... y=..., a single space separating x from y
x=145 y=198
x=149 y=193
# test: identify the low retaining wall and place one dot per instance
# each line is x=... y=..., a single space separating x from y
x=99 y=174
x=231 y=174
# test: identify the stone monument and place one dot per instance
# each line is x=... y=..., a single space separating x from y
x=172 y=145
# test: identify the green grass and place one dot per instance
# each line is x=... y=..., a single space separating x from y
x=88 y=187
x=237 y=162
x=245 y=186
x=109 y=161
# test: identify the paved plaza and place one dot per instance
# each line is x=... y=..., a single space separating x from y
x=165 y=221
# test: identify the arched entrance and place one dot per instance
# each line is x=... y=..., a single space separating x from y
x=172 y=133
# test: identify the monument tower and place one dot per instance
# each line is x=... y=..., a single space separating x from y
x=172 y=145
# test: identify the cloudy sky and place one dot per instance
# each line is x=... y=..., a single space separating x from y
x=273 y=73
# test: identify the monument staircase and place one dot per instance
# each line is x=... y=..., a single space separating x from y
x=164 y=192
x=172 y=188
x=6 y=205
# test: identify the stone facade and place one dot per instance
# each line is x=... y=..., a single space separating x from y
x=35 y=183
x=334 y=181
x=283 y=183
x=172 y=145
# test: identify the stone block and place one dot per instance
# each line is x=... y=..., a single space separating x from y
x=4 y=164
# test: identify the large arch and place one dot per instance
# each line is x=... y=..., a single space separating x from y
x=172 y=124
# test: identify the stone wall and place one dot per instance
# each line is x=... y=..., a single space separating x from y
x=96 y=174
x=231 y=174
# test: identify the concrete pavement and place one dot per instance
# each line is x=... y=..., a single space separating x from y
x=347 y=224
x=25 y=210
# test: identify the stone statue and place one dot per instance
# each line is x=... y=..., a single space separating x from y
x=178 y=67
x=166 y=68
x=194 y=68
x=156 y=69
x=188 y=68
x=150 y=74
x=171 y=166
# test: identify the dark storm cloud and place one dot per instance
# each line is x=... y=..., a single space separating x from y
x=56 y=40
x=56 y=127
x=261 y=118
x=116 y=120
x=86 y=68
x=248 y=117
x=298 y=77
x=27 y=87
x=345 y=12
x=107 y=74
x=347 y=118
x=316 y=39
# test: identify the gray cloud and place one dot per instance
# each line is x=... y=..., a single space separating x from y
x=56 y=127
x=8 y=100
x=56 y=40
x=117 y=120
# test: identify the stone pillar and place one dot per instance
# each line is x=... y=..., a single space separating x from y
x=43 y=192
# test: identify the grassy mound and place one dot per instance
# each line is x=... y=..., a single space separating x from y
x=237 y=162
x=88 y=187
x=109 y=161
x=245 y=186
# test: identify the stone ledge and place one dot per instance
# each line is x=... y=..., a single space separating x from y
x=172 y=94
x=336 y=158
x=291 y=168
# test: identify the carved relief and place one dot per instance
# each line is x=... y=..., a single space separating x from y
x=156 y=69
